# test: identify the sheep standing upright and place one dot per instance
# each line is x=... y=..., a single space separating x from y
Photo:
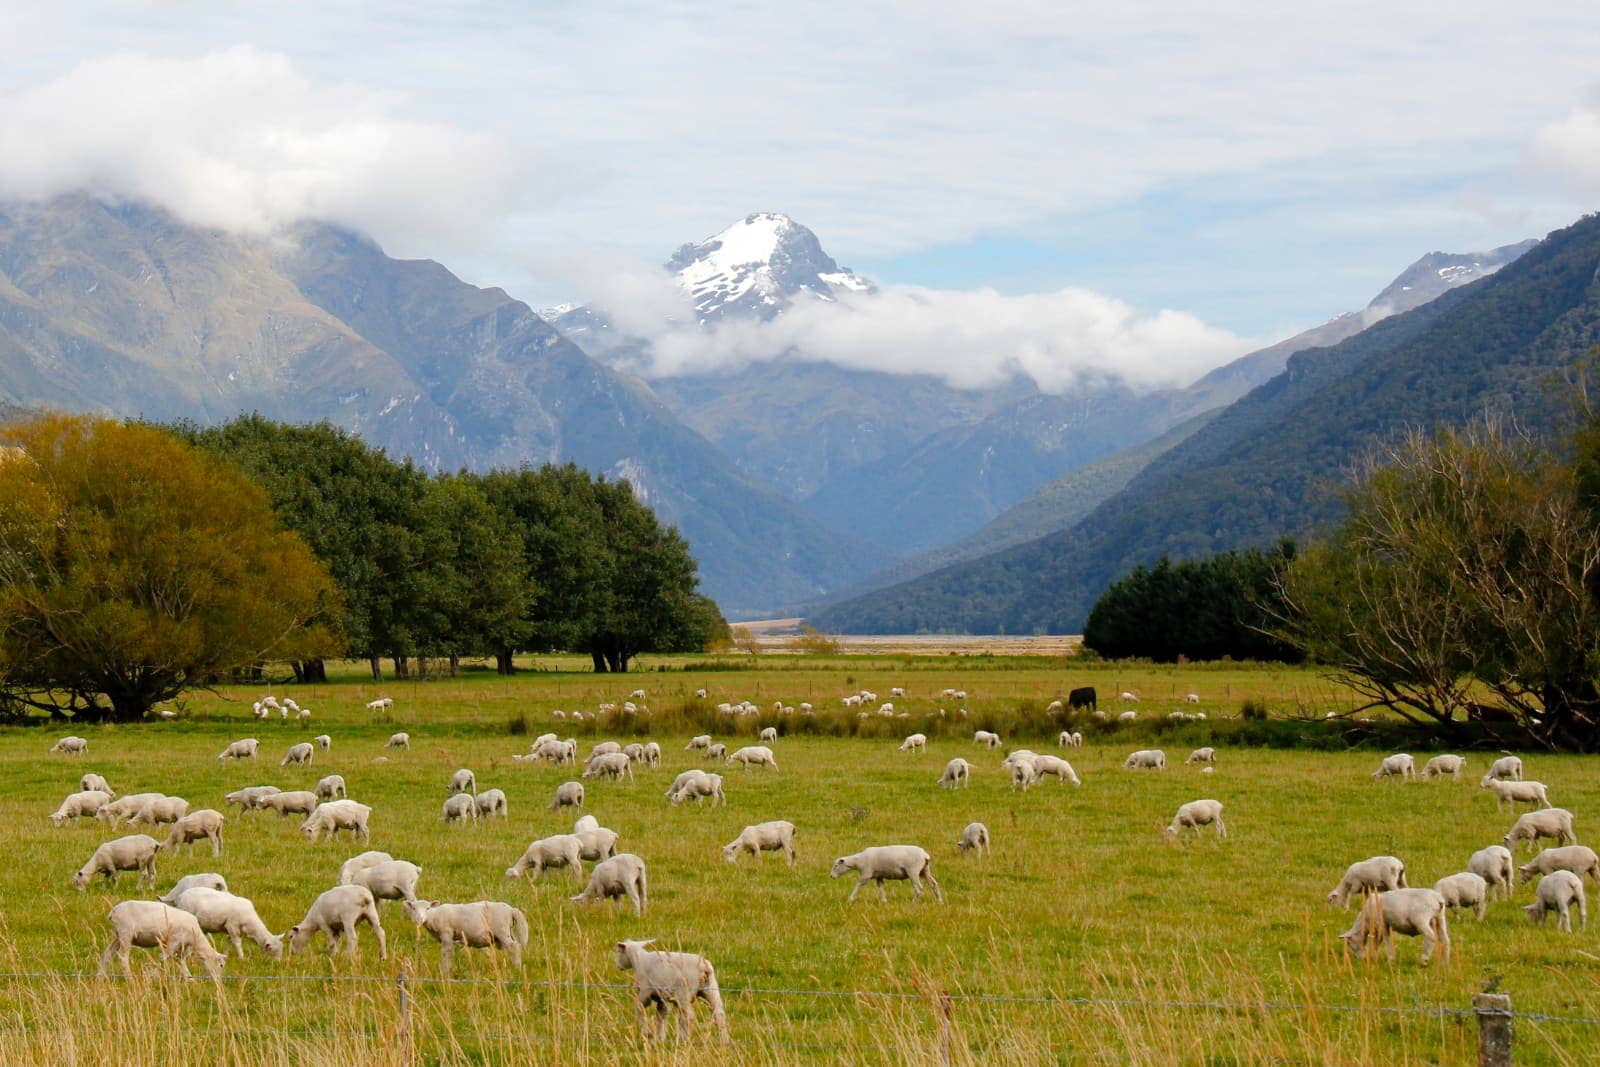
x=483 y=924
x=152 y=924
x=889 y=862
x=670 y=980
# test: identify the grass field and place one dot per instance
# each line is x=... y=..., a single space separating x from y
x=1083 y=938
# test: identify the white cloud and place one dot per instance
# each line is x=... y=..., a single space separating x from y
x=1569 y=149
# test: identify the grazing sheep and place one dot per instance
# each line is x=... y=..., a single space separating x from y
x=1464 y=890
x=634 y=751
x=585 y=822
x=699 y=786
x=337 y=913
x=754 y=756
x=596 y=842
x=1023 y=775
x=716 y=750
x=1506 y=767
x=1146 y=759
x=348 y=869
x=986 y=738
x=603 y=748
x=1547 y=822
x=677 y=783
x=568 y=795
x=323 y=741
x=205 y=880
x=331 y=787
x=559 y=850
x=136 y=852
x=1191 y=698
x=1128 y=716
x=399 y=740
x=1439 y=766
x=92 y=782
x=381 y=704
x=293 y=802
x=699 y=694
x=1579 y=859
x=335 y=815
x=1195 y=814
x=915 y=743
x=205 y=823
x=70 y=746
x=773 y=836
x=461 y=808
x=1380 y=873
x=652 y=754
x=1515 y=792
x=620 y=877
x=1054 y=706
x=1202 y=755
x=957 y=773
x=244 y=748
x=770 y=733
x=974 y=838
x=1047 y=764
x=1128 y=697
x=463 y=782
x=493 y=802
x=390 y=880
x=614 y=765
x=897 y=862
x=152 y=924
x=700 y=741
x=160 y=811
x=1412 y=912
x=482 y=924
x=1400 y=765
x=1557 y=891
x=299 y=755
x=250 y=797
x=670 y=980
x=557 y=752
x=124 y=807
x=220 y=912
x=1070 y=739
x=86 y=802
x=1493 y=865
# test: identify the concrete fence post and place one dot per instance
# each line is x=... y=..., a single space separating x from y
x=1494 y=1029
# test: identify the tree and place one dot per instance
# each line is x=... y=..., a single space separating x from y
x=133 y=567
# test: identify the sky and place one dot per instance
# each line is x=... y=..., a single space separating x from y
x=1215 y=174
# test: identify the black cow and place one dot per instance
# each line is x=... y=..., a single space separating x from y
x=1082 y=698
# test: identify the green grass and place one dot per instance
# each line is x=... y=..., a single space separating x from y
x=1081 y=900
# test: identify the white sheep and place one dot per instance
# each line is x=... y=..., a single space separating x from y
x=1128 y=716
x=220 y=912
x=774 y=836
x=769 y=733
x=463 y=781
x=974 y=838
x=559 y=850
x=390 y=880
x=557 y=752
x=699 y=694
x=159 y=811
x=596 y=843
x=337 y=913
x=1439 y=766
x=152 y=924
x=1379 y=873
x=349 y=868
x=1023 y=776
x=957 y=773
x=1191 y=698
x=1516 y=792
x=70 y=746
x=889 y=862
x=568 y=795
x=1493 y=865
x=1070 y=739
x=244 y=748
x=1128 y=697
x=986 y=738
x=604 y=747
x=1195 y=814
x=670 y=980
x=1579 y=859
x=620 y=877
x=206 y=823
x=915 y=743
x=700 y=741
x=381 y=704
x=331 y=787
x=754 y=756
x=323 y=741
x=399 y=740
x=1464 y=890
x=1547 y=822
x=1400 y=765
x=124 y=807
x=1202 y=755
x=481 y=924
x=716 y=750
x=1044 y=764
x=335 y=815
x=1146 y=759
x=292 y=802
x=634 y=751
x=1412 y=912
x=84 y=802
x=299 y=754
x=461 y=807
x=652 y=754
x=697 y=787
x=1506 y=767
x=92 y=782
x=585 y=822
x=1556 y=892
x=136 y=852
x=493 y=802
x=615 y=765
x=207 y=880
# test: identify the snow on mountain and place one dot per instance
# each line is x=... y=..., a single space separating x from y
x=757 y=266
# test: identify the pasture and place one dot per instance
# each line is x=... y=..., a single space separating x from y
x=1083 y=938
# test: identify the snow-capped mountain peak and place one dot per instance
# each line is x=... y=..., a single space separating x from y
x=757 y=266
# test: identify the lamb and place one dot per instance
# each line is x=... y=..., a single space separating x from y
x=152 y=924
x=1506 y=767
x=381 y=704
x=620 y=876
x=220 y=912
x=700 y=786
x=1070 y=739
x=1515 y=792
x=716 y=750
x=463 y=782
x=205 y=823
x=250 y=797
x=493 y=802
x=461 y=808
x=206 y=880
x=124 y=807
x=915 y=743
x=698 y=741
x=160 y=811
x=596 y=843
x=1412 y=912
x=1202 y=755
x=774 y=836
x=1579 y=859
x=70 y=746
x=1493 y=865
x=1547 y=822
x=390 y=880
x=482 y=924
x=1147 y=759
x=1464 y=890
x=881 y=862
x=331 y=787
x=986 y=738
x=337 y=913
x=615 y=765
x=1046 y=764
x=85 y=802
x=754 y=756
x=293 y=802
x=1380 y=873
x=336 y=815
x=1439 y=766
x=671 y=980
x=957 y=773
x=245 y=748
x=1557 y=891
x=399 y=740
x=136 y=852
x=568 y=795
x=92 y=782
x=974 y=838
x=323 y=741
x=560 y=850
x=1195 y=814
x=1400 y=765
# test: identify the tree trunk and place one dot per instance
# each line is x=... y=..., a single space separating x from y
x=377 y=668
x=402 y=667
x=315 y=671
x=503 y=663
x=455 y=665
x=299 y=671
x=599 y=661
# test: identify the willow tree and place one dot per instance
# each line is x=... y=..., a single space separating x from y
x=134 y=567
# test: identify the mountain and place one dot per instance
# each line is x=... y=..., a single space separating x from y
x=758 y=266
x=1269 y=464
x=121 y=309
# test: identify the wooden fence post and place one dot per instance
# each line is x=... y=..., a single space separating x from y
x=1494 y=1029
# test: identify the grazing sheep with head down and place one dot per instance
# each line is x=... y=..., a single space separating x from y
x=957 y=773
x=399 y=740
x=299 y=755
x=160 y=811
x=670 y=980
x=337 y=913
x=76 y=805
x=697 y=786
x=245 y=748
x=152 y=924
x=482 y=924
x=124 y=807
x=250 y=797
x=1515 y=792
x=390 y=880
x=350 y=867
x=716 y=750
x=1506 y=767
x=987 y=738
x=774 y=836
x=558 y=850
x=1380 y=873
x=1195 y=814
x=136 y=852
x=754 y=756
x=1400 y=765
x=1547 y=822
x=492 y=802
x=70 y=746
x=770 y=733
x=1493 y=865
x=974 y=838
x=196 y=825
x=1412 y=912
x=331 y=787
x=461 y=808
x=621 y=877
x=206 y=880
x=596 y=842
x=335 y=815
x=889 y=862
x=323 y=741
x=1202 y=755
x=92 y=782
x=1557 y=891
x=1146 y=759
x=700 y=741
x=1579 y=859
x=220 y=912
x=613 y=765
x=568 y=795
x=1464 y=890
x=1439 y=766
x=1070 y=739
x=292 y=802
x=463 y=781
x=1054 y=765
x=915 y=743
